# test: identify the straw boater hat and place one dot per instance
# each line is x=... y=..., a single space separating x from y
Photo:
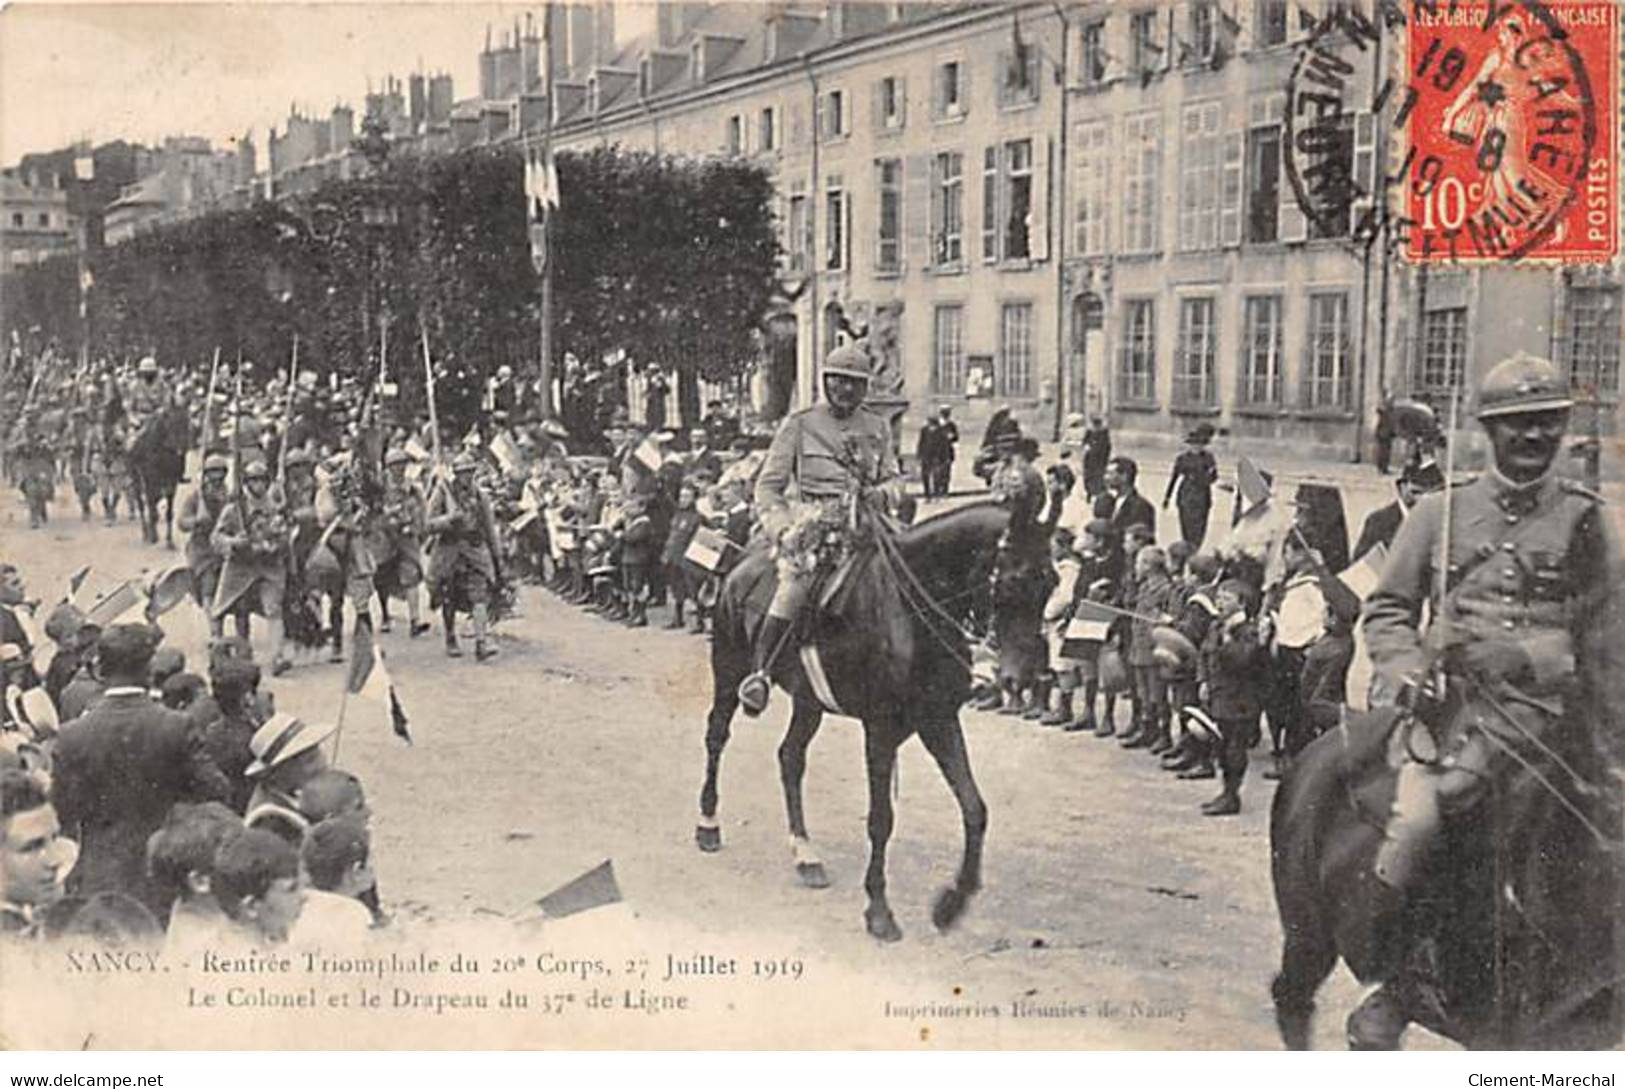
x=1200 y=723
x=282 y=738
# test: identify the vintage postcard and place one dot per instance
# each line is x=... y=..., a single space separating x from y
x=811 y=525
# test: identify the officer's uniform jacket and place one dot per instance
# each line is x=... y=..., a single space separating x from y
x=470 y=543
x=1536 y=565
x=807 y=462
x=199 y=514
x=265 y=534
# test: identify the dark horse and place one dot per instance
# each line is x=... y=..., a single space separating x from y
x=157 y=463
x=1510 y=942
x=895 y=656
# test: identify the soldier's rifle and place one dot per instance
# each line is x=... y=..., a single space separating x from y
x=287 y=417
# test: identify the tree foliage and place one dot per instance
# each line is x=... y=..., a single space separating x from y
x=669 y=261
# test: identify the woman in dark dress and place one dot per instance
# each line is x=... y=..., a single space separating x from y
x=1193 y=478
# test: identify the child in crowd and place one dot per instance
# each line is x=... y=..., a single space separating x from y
x=1057 y=612
x=180 y=858
x=256 y=880
x=685 y=520
x=1232 y=684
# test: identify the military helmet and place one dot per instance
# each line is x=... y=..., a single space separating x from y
x=148 y=365
x=464 y=463
x=397 y=456
x=298 y=458
x=1522 y=383
x=849 y=360
x=255 y=470
x=216 y=463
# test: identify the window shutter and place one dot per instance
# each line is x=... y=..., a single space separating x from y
x=990 y=203
x=820 y=108
x=846 y=109
x=964 y=87
x=934 y=204
x=1001 y=80
x=1038 y=216
x=902 y=101
x=1294 y=225
x=1230 y=190
x=877 y=105
x=1365 y=165
x=846 y=235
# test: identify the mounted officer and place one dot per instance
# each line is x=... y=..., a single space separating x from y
x=823 y=461
x=1526 y=624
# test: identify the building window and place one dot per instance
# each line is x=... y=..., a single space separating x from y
x=1137 y=358
x=1262 y=347
x=16 y=219
x=1092 y=53
x=1146 y=51
x=736 y=135
x=889 y=97
x=948 y=208
x=1592 y=343
x=1444 y=350
x=45 y=219
x=1195 y=354
x=948 y=92
x=1269 y=22
x=832 y=115
x=767 y=130
x=1326 y=385
x=1093 y=180
x=1199 y=189
x=835 y=224
x=1142 y=160
x=1018 y=76
x=798 y=233
x=948 y=351
x=1203 y=32
x=1335 y=162
x=889 y=237
x=1264 y=169
x=1016 y=350
x=1018 y=200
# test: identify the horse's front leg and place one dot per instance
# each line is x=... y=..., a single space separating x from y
x=946 y=743
x=880 y=741
x=169 y=521
x=804 y=723
x=708 y=832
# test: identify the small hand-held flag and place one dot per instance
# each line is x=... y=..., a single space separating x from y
x=369 y=680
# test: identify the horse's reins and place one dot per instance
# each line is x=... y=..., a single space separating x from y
x=921 y=596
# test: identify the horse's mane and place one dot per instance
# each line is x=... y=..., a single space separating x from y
x=923 y=531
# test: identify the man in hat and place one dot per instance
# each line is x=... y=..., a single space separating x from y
x=1528 y=640
x=252 y=535
x=146 y=395
x=1097 y=451
x=120 y=766
x=1382 y=524
x=825 y=461
x=1192 y=479
x=287 y=755
x=200 y=512
x=35 y=857
x=465 y=566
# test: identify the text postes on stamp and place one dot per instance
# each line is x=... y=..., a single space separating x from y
x=1508 y=139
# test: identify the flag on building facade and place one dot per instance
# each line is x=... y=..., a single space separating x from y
x=370 y=682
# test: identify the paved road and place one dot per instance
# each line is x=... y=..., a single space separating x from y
x=584 y=741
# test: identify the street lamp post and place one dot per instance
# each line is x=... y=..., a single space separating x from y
x=379 y=218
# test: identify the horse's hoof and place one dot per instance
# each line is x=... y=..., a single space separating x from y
x=881 y=925
x=812 y=875
x=708 y=840
x=948 y=907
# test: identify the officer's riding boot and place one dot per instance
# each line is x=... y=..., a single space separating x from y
x=279 y=661
x=1162 y=739
x=448 y=620
x=335 y=619
x=483 y=646
x=756 y=688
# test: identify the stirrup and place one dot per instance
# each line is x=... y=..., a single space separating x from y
x=754 y=692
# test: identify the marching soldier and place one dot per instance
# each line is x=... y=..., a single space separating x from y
x=35 y=466
x=1530 y=619
x=200 y=513
x=80 y=430
x=346 y=519
x=807 y=497
x=309 y=572
x=398 y=542
x=464 y=568
x=253 y=534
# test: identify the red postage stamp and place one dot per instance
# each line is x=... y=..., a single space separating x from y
x=1512 y=130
